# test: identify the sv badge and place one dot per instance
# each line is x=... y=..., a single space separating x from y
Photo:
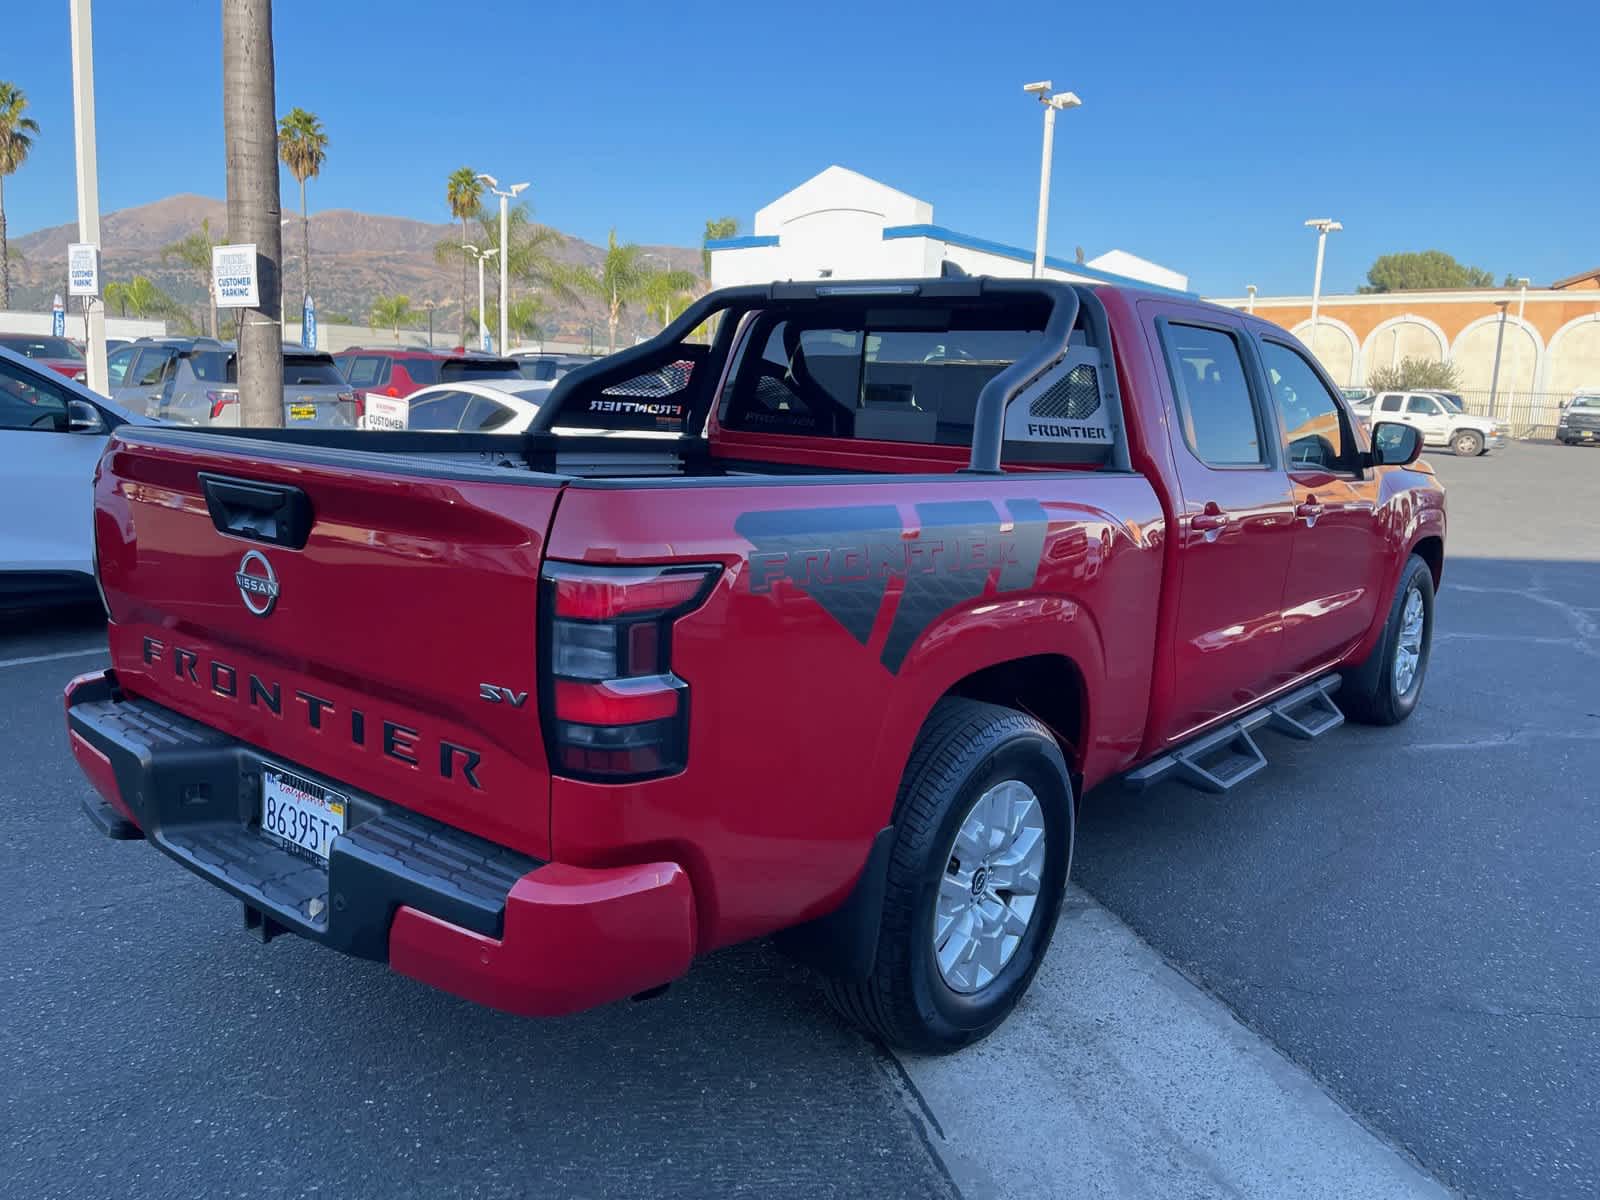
x=501 y=695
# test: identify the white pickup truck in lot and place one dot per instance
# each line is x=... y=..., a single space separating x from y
x=1441 y=420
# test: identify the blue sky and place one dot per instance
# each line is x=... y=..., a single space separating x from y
x=1208 y=132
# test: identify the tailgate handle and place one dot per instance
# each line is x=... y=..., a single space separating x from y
x=274 y=513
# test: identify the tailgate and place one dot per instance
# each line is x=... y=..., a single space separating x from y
x=359 y=640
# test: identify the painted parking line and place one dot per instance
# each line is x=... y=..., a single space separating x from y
x=39 y=658
x=1118 y=1077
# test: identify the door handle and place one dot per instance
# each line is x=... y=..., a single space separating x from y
x=1210 y=520
x=1309 y=509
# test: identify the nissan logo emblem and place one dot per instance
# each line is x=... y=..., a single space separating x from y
x=258 y=583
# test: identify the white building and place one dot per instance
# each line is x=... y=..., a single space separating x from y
x=841 y=225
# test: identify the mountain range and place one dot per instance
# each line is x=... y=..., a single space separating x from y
x=355 y=257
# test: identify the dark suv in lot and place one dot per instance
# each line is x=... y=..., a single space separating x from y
x=401 y=370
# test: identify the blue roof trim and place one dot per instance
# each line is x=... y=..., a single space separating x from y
x=940 y=233
x=742 y=243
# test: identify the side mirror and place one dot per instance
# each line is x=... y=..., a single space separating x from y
x=83 y=417
x=1395 y=445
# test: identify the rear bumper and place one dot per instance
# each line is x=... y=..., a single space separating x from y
x=441 y=906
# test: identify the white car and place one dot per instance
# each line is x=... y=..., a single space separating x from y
x=52 y=431
x=482 y=406
x=1441 y=422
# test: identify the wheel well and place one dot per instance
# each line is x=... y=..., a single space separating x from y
x=1431 y=551
x=1048 y=687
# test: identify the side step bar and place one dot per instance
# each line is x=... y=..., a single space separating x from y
x=1221 y=760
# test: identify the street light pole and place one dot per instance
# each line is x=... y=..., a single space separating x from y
x=1251 y=289
x=483 y=327
x=1052 y=105
x=1499 y=343
x=1323 y=226
x=506 y=196
x=88 y=180
x=1522 y=295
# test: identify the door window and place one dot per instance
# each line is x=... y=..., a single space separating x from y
x=151 y=368
x=1220 y=421
x=364 y=370
x=29 y=401
x=441 y=411
x=117 y=365
x=1422 y=406
x=1390 y=403
x=1313 y=423
x=484 y=414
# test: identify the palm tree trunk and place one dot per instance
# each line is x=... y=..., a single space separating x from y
x=5 y=251
x=250 y=124
x=611 y=324
x=305 y=250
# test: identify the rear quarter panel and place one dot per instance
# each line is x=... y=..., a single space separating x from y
x=845 y=610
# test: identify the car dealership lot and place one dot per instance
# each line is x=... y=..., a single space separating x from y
x=1413 y=923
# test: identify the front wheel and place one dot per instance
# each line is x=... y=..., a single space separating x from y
x=1385 y=689
x=1468 y=443
x=983 y=842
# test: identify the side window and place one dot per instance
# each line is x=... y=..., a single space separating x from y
x=483 y=415
x=151 y=368
x=31 y=402
x=1219 y=416
x=364 y=370
x=440 y=412
x=1313 y=424
x=117 y=365
x=1422 y=406
x=1390 y=403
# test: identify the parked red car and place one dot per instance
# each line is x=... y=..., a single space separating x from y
x=393 y=371
x=538 y=720
x=57 y=353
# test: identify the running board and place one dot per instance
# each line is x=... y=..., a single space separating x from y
x=1221 y=760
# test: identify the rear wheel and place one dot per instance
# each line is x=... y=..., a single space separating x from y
x=983 y=841
x=1467 y=443
x=1385 y=689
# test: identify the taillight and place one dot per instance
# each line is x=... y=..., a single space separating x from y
x=356 y=398
x=220 y=401
x=614 y=711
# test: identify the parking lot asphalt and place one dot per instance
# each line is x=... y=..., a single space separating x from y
x=152 y=1049
x=1412 y=913
x=1408 y=914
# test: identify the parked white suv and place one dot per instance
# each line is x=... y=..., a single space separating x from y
x=1440 y=422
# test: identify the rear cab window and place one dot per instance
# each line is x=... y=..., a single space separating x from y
x=1221 y=420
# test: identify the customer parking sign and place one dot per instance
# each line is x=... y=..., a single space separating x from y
x=233 y=271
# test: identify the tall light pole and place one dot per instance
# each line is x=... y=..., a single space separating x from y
x=1323 y=226
x=1499 y=344
x=1522 y=295
x=1052 y=105
x=506 y=196
x=1251 y=289
x=483 y=328
x=88 y=180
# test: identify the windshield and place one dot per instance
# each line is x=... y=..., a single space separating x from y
x=1451 y=403
x=483 y=368
x=1587 y=402
x=305 y=372
x=41 y=346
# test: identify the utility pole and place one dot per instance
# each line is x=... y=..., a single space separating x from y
x=94 y=316
x=250 y=126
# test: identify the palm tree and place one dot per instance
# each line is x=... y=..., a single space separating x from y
x=390 y=312
x=142 y=298
x=194 y=252
x=16 y=139
x=303 y=147
x=667 y=293
x=249 y=98
x=525 y=317
x=620 y=280
x=716 y=229
x=463 y=192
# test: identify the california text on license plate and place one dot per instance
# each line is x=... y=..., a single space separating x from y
x=300 y=815
x=303 y=412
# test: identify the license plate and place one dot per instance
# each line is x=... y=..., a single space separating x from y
x=303 y=412
x=1588 y=434
x=300 y=815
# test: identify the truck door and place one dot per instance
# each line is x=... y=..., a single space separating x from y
x=1428 y=415
x=1235 y=520
x=1337 y=570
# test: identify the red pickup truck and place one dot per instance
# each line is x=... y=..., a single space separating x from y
x=859 y=588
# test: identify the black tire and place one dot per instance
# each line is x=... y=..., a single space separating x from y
x=1466 y=443
x=1369 y=695
x=965 y=748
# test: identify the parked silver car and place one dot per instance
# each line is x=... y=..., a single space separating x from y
x=195 y=381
